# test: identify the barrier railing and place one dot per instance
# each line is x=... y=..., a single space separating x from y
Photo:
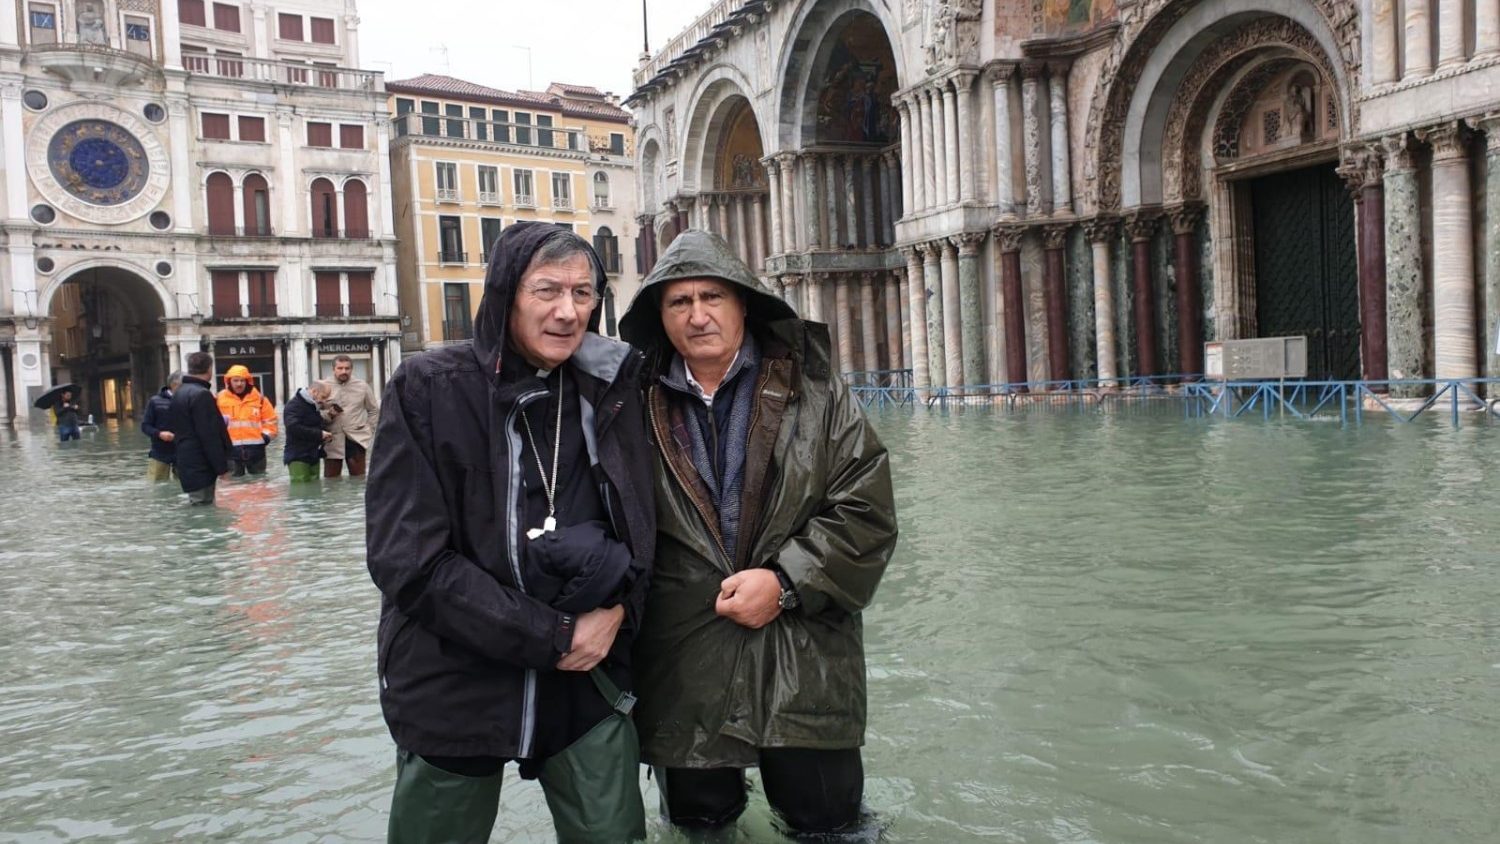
x=1192 y=397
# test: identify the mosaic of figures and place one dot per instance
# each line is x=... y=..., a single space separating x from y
x=854 y=99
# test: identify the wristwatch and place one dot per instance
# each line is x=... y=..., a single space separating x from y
x=789 y=599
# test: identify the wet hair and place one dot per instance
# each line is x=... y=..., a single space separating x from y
x=175 y=378
x=200 y=363
x=343 y=359
x=561 y=247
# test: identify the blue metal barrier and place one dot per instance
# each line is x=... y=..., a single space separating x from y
x=1195 y=398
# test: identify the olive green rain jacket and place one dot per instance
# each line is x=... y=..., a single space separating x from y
x=817 y=502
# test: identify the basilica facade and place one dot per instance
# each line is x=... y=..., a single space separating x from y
x=1033 y=191
x=184 y=175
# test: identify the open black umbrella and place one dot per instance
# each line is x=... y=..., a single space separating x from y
x=54 y=395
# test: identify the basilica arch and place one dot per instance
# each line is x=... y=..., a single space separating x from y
x=723 y=167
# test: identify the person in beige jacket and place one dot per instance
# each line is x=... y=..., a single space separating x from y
x=353 y=428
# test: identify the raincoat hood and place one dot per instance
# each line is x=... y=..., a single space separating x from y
x=697 y=254
x=239 y=370
x=509 y=258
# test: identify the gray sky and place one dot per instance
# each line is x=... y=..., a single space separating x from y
x=586 y=42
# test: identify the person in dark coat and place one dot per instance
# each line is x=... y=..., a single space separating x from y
x=776 y=519
x=302 y=418
x=199 y=431
x=67 y=411
x=154 y=424
x=510 y=529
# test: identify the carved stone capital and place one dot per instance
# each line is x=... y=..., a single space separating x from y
x=1449 y=141
x=787 y=160
x=1185 y=218
x=930 y=250
x=1009 y=236
x=968 y=243
x=790 y=280
x=867 y=279
x=1055 y=235
x=1141 y=225
x=1033 y=70
x=1000 y=74
x=1100 y=229
x=963 y=80
x=1058 y=68
x=912 y=254
x=1490 y=126
x=771 y=165
x=1397 y=150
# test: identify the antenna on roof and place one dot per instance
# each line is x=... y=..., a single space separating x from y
x=645 y=30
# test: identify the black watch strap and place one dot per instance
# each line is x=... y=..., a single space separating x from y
x=562 y=642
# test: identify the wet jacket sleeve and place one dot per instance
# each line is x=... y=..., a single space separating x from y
x=151 y=423
x=213 y=434
x=839 y=555
x=410 y=554
x=268 y=426
x=302 y=425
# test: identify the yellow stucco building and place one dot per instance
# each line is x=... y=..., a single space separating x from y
x=468 y=160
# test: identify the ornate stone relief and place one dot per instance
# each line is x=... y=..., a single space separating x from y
x=1143 y=25
x=98 y=163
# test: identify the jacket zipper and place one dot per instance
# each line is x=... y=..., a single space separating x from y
x=708 y=520
x=513 y=437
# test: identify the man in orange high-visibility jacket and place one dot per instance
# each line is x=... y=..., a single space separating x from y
x=251 y=420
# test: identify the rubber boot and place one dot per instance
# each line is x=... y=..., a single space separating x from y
x=432 y=806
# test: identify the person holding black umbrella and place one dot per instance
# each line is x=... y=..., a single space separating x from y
x=198 y=428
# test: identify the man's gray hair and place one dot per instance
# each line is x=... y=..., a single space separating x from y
x=320 y=388
x=561 y=247
x=175 y=378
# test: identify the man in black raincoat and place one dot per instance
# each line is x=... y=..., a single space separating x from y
x=198 y=429
x=509 y=526
x=776 y=520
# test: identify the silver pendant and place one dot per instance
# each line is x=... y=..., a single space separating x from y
x=548 y=525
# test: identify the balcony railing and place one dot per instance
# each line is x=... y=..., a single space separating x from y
x=456 y=331
x=445 y=257
x=343 y=309
x=488 y=132
x=601 y=203
x=280 y=73
x=489 y=197
x=234 y=310
x=562 y=203
x=447 y=195
x=525 y=201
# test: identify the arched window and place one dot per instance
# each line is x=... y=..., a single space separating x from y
x=220 y=204
x=356 y=210
x=325 y=209
x=601 y=190
x=257 y=206
x=608 y=247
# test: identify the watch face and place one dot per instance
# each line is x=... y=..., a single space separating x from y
x=99 y=162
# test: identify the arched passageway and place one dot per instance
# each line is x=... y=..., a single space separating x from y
x=109 y=337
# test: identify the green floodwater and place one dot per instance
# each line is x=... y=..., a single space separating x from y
x=1094 y=629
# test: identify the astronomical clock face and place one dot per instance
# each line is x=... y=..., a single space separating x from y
x=97 y=163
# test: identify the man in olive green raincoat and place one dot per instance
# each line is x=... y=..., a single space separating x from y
x=775 y=522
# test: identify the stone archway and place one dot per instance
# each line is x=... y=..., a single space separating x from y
x=108 y=333
x=723 y=160
x=804 y=70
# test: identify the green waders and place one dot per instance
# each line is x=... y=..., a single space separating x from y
x=592 y=789
x=300 y=471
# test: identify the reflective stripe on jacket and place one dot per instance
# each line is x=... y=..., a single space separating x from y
x=250 y=418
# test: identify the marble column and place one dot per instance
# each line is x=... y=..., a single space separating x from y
x=950 y=141
x=1418 y=40
x=850 y=167
x=939 y=149
x=1383 y=40
x=1491 y=127
x=833 y=237
x=916 y=165
x=915 y=328
x=1486 y=29
x=1031 y=81
x=903 y=296
x=1054 y=240
x=1451 y=32
x=1453 y=289
x=932 y=283
x=953 y=334
x=867 y=188
x=845 y=323
x=971 y=306
x=869 y=355
x=1057 y=92
x=1185 y=220
x=931 y=143
x=758 y=244
x=743 y=235
x=787 y=167
x=812 y=201
x=812 y=291
x=968 y=164
x=1141 y=226
x=1362 y=176
x=1005 y=195
x=1101 y=233
x=903 y=107
x=1013 y=307
x=1404 y=271
x=723 y=201
x=889 y=209
x=773 y=184
x=791 y=292
x=891 y=289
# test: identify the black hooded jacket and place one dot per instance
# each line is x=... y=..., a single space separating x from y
x=466 y=651
x=201 y=437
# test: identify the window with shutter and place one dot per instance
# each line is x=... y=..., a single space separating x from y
x=322 y=30
x=351 y=136
x=226 y=17
x=220 y=204
x=226 y=293
x=290 y=27
x=253 y=129
x=191 y=12
x=262 y=293
x=257 y=195
x=325 y=212
x=356 y=210
x=361 y=294
x=330 y=301
x=320 y=134
x=215 y=126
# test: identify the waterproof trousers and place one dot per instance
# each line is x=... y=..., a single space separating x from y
x=247 y=459
x=302 y=470
x=159 y=471
x=812 y=791
x=204 y=495
x=457 y=803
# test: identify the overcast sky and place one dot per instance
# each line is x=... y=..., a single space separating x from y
x=585 y=42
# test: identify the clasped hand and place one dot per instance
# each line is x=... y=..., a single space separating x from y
x=593 y=636
x=750 y=598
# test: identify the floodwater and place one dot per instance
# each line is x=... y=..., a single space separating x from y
x=1095 y=629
